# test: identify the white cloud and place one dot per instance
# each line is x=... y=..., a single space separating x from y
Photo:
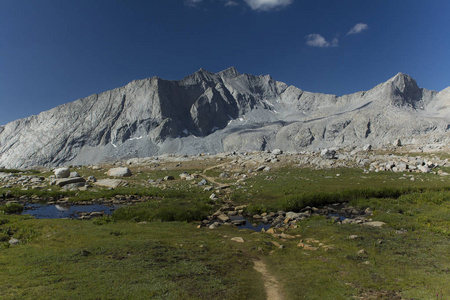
x=266 y=5
x=316 y=40
x=192 y=2
x=231 y=3
x=358 y=28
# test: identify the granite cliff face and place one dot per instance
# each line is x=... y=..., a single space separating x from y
x=225 y=111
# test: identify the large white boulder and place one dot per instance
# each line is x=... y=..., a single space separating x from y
x=62 y=172
x=119 y=172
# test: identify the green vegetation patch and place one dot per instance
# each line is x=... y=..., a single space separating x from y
x=11 y=208
x=73 y=259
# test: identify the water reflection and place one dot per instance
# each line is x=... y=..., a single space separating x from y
x=58 y=211
x=62 y=207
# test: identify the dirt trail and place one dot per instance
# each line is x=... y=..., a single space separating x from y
x=271 y=285
x=210 y=179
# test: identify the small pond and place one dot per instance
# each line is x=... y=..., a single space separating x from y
x=250 y=224
x=59 y=211
x=259 y=226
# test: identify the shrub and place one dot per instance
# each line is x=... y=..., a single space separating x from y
x=166 y=212
x=102 y=220
x=4 y=237
x=11 y=208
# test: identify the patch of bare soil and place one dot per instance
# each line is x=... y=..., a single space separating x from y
x=271 y=284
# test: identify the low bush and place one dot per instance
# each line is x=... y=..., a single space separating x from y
x=165 y=212
x=299 y=201
x=4 y=237
x=11 y=208
x=102 y=220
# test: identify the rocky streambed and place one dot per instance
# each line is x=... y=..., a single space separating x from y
x=232 y=215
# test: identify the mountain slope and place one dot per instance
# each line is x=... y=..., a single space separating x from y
x=216 y=112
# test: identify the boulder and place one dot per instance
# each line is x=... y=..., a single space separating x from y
x=184 y=175
x=119 y=172
x=292 y=215
x=14 y=241
x=111 y=183
x=328 y=154
x=76 y=185
x=367 y=147
x=397 y=143
x=424 y=169
x=374 y=224
x=62 y=173
x=74 y=174
x=223 y=218
x=64 y=181
x=402 y=167
x=237 y=239
x=277 y=151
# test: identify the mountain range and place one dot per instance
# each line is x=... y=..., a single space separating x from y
x=223 y=112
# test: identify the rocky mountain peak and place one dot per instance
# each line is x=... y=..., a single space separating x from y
x=405 y=90
x=230 y=72
x=220 y=112
x=404 y=82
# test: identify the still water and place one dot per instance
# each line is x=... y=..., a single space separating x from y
x=59 y=211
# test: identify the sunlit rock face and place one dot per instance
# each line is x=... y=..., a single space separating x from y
x=218 y=112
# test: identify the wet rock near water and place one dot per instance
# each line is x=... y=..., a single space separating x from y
x=341 y=213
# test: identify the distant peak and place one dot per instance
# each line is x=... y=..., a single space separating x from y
x=403 y=82
x=201 y=70
x=230 y=72
x=401 y=75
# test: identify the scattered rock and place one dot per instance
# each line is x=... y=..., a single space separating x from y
x=328 y=154
x=307 y=247
x=14 y=241
x=424 y=169
x=277 y=151
x=224 y=175
x=375 y=224
x=111 y=183
x=367 y=147
x=62 y=172
x=64 y=181
x=74 y=174
x=397 y=143
x=224 y=218
x=237 y=239
x=202 y=182
x=119 y=172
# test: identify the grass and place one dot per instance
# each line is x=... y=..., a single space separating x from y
x=398 y=264
x=174 y=260
x=167 y=257
x=172 y=210
x=294 y=188
x=412 y=263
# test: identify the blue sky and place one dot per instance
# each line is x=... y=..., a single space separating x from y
x=56 y=51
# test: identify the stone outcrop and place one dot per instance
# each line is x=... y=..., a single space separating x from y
x=119 y=172
x=223 y=112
